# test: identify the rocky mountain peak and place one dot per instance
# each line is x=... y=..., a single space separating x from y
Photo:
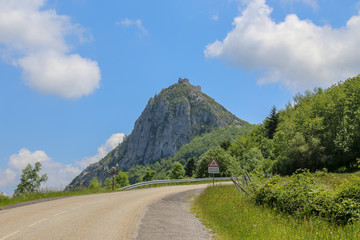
x=170 y=119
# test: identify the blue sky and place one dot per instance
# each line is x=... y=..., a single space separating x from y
x=76 y=74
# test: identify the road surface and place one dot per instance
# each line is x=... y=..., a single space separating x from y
x=96 y=216
x=170 y=219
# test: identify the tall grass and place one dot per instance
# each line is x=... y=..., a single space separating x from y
x=233 y=215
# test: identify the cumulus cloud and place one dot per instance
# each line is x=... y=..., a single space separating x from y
x=7 y=177
x=295 y=52
x=34 y=39
x=104 y=149
x=24 y=157
x=136 y=23
x=70 y=76
x=59 y=174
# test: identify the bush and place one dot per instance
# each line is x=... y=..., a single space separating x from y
x=94 y=184
x=304 y=196
x=251 y=159
x=108 y=183
x=228 y=165
x=149 y=175
x=177 y=172
x=122 y=179
x=3 y=198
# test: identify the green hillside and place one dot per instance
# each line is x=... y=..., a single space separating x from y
x=320 y=129
x=194 y=149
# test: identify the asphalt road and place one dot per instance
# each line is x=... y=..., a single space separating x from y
x=170 y=219
x=98 y=216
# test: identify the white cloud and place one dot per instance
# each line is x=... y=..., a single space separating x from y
x=19 y=160
x=7 y=177
x=104 y=149
x=295 y=52
x=129 y=23
x=59 y=174
x=69 y=76
x=30 y=35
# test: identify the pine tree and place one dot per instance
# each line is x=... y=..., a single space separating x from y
x=271 y=123
x=190 y=167
x=94 y=184
x=225 y=144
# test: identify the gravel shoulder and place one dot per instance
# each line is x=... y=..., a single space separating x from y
x=170 y=218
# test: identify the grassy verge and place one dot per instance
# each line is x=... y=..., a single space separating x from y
x=6 y=201
x=232 y=215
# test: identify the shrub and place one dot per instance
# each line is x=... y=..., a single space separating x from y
x=228 y=165
x=3 y=198
x=177 y=172
x=121 y=179
x=149 y=175
x=94 y=184
x=302 y=195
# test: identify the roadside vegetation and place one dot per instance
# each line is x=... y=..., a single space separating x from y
x=29 y=187
x=284 y=211
x=43 y=193
x=314 y=145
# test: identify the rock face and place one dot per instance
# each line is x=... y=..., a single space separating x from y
x=170 y=119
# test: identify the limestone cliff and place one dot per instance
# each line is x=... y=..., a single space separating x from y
x=170 y=119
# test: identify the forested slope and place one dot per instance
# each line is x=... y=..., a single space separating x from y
x=320 y=129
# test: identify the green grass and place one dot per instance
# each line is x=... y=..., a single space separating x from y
x=233 y=215
x=337 y=180
x=6 y=201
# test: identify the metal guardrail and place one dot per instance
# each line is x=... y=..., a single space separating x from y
x=173 y=181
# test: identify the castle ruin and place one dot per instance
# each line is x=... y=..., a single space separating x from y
x=187 y=82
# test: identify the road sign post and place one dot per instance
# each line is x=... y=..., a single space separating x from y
x=113 y=185
x=213 y=168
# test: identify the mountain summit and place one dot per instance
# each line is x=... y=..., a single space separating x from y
x=170 y=119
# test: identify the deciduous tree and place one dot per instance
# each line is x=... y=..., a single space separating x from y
x=30 y=180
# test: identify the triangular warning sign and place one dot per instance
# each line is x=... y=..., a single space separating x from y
x=213 y=163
